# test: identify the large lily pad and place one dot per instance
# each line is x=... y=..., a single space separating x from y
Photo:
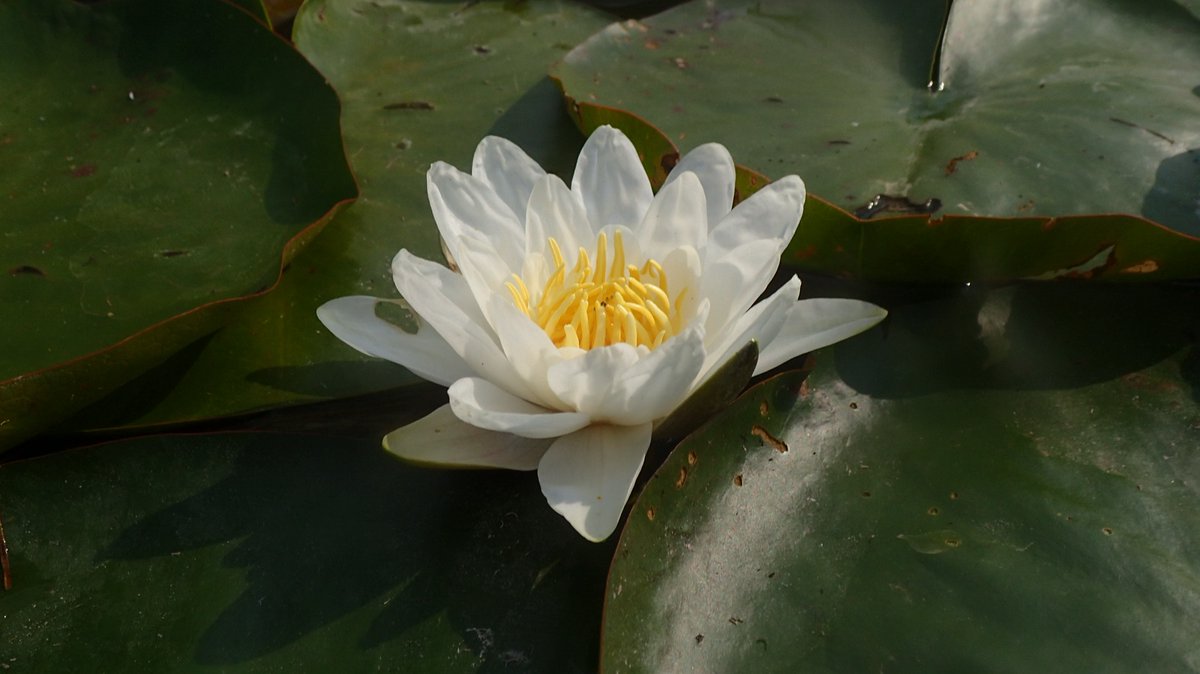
x=273 y=553
x=159 y=158
x=419 y=82
x=1047 y=111
x=991 y=481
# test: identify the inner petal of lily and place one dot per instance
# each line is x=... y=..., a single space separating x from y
x=602 y=304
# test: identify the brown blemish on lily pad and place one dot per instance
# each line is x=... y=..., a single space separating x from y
x=682 y=479
x=768 y=439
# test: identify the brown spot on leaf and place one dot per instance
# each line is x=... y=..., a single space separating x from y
x=174 y=253
x=933 y=510
x=837 y=141
x=1107 y=531
x=853 y=405
x=768 y=439
x=692 y=458
x=668 y=161
x=481 y=49
x=652 y=44
x=681 y=63
x=699 y=638
x=650 y=514
x=773 y=99
x=682 y=479
x=734 y=620
x=952 y=165
x=83 y=171
x=953 y=496
x=866 y=494
x=737 y=480
x=953 y=542
x=763 y=408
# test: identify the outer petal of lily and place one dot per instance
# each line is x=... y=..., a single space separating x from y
x=812 y=324
x=353 y=320
x=587 y=476
x=442 y=298
x=761 y=323
x=733 y=282
x=713 y=165
x=441 y=439
x=465 y=206
x=677 y=217
x=770 y=213
x=610 y=180
x=510 y=172
x=481 y=403
x=555 y=211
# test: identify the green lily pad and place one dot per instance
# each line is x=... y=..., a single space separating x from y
x=1048 y=122
x=996 y=480
x=161 y=159
x=269 y=553
x=419 y=82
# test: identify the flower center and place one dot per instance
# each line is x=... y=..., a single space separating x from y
x=601 y=305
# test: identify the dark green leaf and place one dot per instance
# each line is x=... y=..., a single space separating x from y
x=286 y=553
x=1052 y=116
x=419 y=82
x=991 y=481
x=161 y=158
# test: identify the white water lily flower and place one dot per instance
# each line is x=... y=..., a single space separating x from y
x=584 y=314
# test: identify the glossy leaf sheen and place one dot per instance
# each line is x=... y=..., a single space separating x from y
x=991 y=481
x=158 y=157
x=1057 y=114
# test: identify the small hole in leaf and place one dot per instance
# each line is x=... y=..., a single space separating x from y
x=398 y=314
x=933 y=510
x=953 y=496
x=1107 y=531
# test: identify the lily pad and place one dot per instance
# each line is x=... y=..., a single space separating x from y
x=269 y=553
x=419 y=82
x=161 y=159
x=983 y=483
x=1047 y=123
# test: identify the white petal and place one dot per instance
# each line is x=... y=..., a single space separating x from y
x=610 y=181
x=527 y=348
x=713 y=165
x=443 y=298
x=733 y=282
x=761 y=323
x=555 y=211
x=654 y=386
x=465 y=206
x=677 y=217
x=484 y=272
x=425 y=353
x=587 y=476
x=441 y=439
x=510 y=172
x=481 y=403
x=812 y=324
x=771 y=213
x=589 y=382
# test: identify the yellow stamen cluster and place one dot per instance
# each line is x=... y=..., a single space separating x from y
x=601 y=305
